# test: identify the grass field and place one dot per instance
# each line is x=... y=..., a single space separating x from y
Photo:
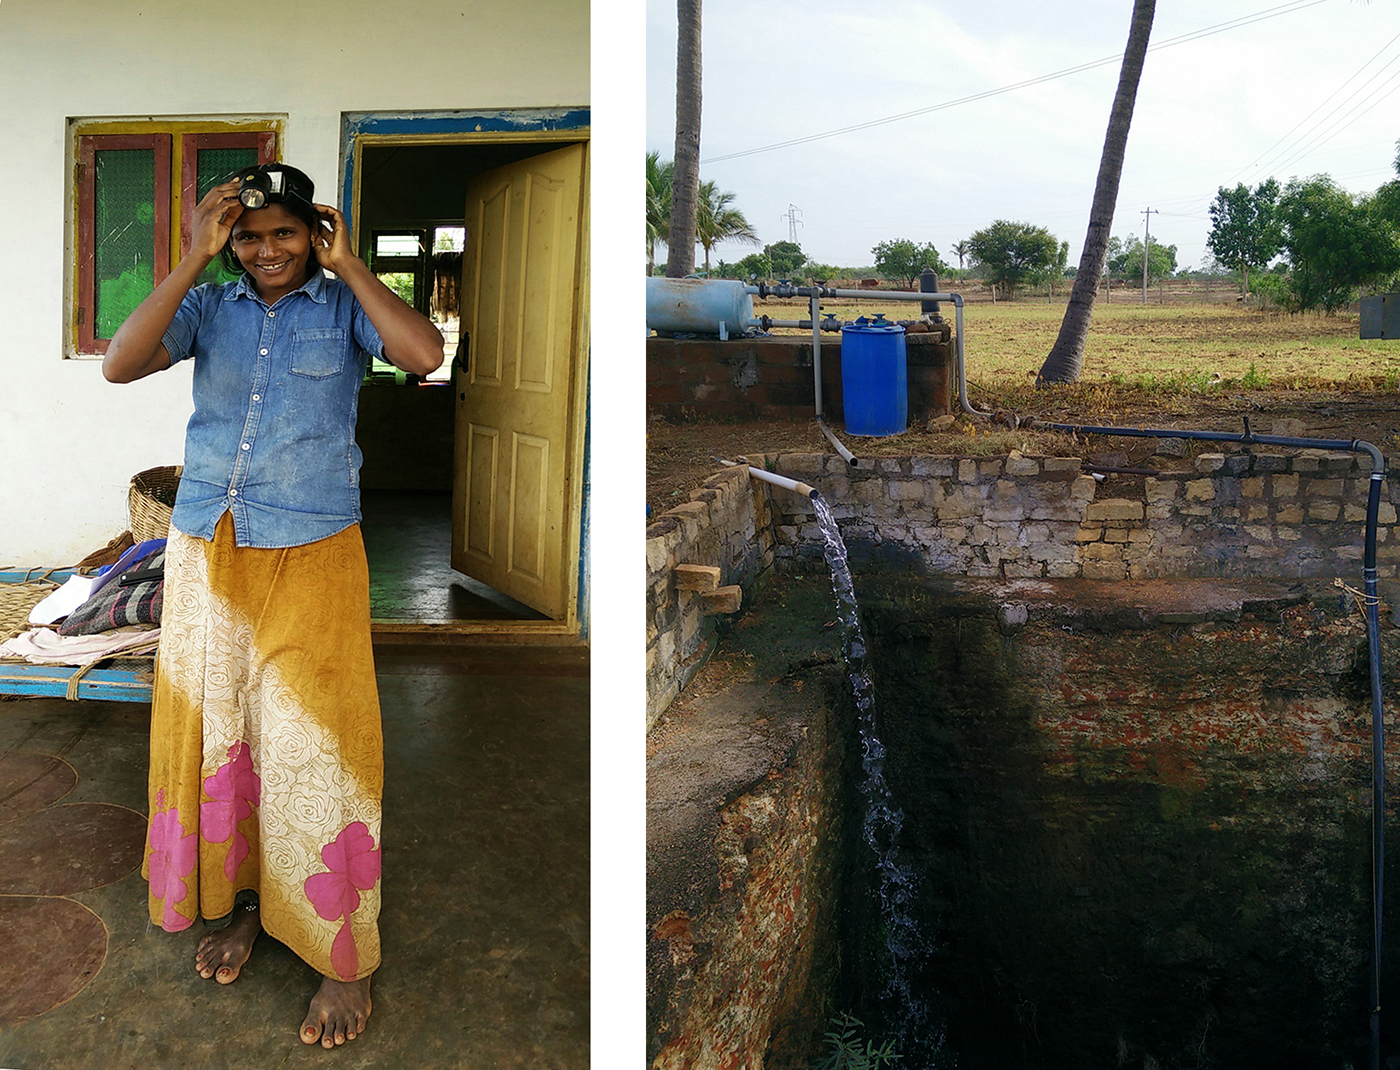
x=1173 y=347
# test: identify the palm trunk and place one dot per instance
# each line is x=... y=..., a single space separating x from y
x=685 y=183
x=1066 y=358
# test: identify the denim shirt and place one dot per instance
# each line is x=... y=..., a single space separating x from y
x=272 y=438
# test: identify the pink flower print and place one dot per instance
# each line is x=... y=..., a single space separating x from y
x=233 y=792
x=172 y=859
x=353 y=861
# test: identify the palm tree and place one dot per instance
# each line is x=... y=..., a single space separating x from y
x=1066 y=358
x=716 y=221
x=659 y=177
x=680 y=241
x=961 y=250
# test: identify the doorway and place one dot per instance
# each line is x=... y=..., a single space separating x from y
x=409 y=204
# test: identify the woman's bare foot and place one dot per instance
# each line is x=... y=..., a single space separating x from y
x=338 y=1012
x=222 y=953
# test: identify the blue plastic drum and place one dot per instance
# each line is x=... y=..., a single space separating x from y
x=874 y=378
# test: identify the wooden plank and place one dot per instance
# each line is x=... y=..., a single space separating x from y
x=125 y=684
x=34 y=575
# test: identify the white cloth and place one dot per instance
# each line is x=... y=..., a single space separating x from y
x=64 y=600
x=44 y=646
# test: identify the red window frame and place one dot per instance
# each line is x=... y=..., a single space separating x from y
x=88 y=146
x=265 y=141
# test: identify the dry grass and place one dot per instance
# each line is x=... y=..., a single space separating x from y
x=1159 y=348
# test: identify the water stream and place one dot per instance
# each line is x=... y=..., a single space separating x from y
x=918 y=1034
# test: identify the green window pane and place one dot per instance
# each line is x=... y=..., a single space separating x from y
x=124 y=216
x=212 y=167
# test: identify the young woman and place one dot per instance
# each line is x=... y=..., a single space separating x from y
x=266 y=752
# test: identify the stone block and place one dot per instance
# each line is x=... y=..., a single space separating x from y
x=1023 y=570
x=1252 y=488
x=1270 y=462
x=1335 y=462
x=1114 y=509
x=657 y=558
x=696 y=577
x=931 y=467
x=1259 y=553
x=1083 y=488
x=1101 y=551
x=1140 y=535
x=1201 y=490
x=1288 y=534
x=1062 y=464
x=1062 y=569
x=1284 y=486
x=901 y=490
x=1261 y=532
x=1161 y=490
x=1289 y=514
x=1386 y=515
x=890 y=466
x=1236 y=464
x=989 y=468
x=1105 y=570
x=1352 y=512
x=1324 y=510
x=1209 y=463
x=1115 y=535
x=967 y=470
x=1260 y=511
x=724 y=599
x=1089 y=533
x=1307 y=461
x=1017 y=465
x=1323 y=488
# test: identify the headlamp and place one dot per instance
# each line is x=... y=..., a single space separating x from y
x=270 y=183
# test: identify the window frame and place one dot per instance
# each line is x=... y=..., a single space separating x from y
x=88 y=147
x=177 y=142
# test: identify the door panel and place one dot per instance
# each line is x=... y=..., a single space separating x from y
x=518 y=441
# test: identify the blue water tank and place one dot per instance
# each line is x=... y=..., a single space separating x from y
x=874 y=378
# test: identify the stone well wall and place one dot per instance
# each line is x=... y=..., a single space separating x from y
x=726 y=525
x=1237 y=514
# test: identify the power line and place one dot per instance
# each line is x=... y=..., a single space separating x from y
x=1259 y=164
x=1194 y=35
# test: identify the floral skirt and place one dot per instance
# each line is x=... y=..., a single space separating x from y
x=267 y=764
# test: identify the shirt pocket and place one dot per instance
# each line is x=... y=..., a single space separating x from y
x=318 y=352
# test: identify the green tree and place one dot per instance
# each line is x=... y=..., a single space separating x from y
x=754 y=266
x=1065 y=360
x=1161 y=262
x=786 y=257
x=685 y=186
x=1014 y=254
x=902 y=260
x=1335 y=243
x=716 y=220
x=1245 y=231
x=659 y=175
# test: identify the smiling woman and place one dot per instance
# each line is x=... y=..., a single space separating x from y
x=266 y=752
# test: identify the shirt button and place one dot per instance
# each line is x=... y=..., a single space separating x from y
x=246 y=446
x=233 y=492
x=271 y=314
x=263 y=352
x=257 y=397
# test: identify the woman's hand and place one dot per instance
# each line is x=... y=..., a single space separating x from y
x=214 y=217
x=332 y=240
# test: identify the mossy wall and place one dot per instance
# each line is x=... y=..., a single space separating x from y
x=1141 y=842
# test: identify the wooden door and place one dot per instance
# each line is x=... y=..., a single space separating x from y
x=521 y=388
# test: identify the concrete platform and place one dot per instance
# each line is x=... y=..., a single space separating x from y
x=486 y=896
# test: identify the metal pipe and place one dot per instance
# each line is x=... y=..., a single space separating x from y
x=1373 y=640
x=846 y=455
x=805 y=489
x=817 y=351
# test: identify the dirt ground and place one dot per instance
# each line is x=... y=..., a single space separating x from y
x=681 y=456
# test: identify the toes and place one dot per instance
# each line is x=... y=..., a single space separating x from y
x=226 y=974
x=310 y=1033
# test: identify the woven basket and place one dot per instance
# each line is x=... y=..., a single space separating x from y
x=16 y=600
x=151 y=501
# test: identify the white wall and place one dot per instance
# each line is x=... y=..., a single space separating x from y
x=69 y=441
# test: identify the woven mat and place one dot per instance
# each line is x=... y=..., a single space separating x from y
x=16 y=600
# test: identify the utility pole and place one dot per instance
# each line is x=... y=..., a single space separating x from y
x=1147 y=214
x=794 y=219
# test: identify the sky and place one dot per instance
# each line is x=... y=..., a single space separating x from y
x=1295 y=89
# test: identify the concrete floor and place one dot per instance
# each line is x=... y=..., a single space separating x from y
x=486 y=907
x=408 y=541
